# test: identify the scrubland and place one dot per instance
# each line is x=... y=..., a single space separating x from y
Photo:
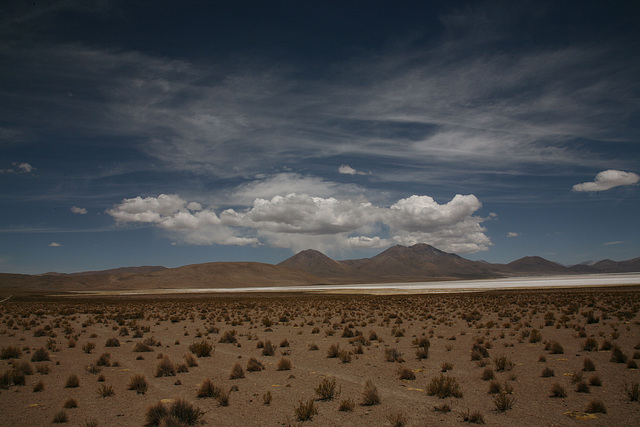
x=562 y=357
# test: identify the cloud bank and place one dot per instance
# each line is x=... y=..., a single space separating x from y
x=300 y=221
x=608 y=179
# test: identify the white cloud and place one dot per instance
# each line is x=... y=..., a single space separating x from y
x=348 y=170
x=512 y=234
x=300 y=221
x=79 y=211
x=608 y=179
x=617 y=242
x=54 y=245
x=19 y=168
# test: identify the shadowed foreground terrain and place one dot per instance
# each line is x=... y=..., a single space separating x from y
x=563 y=357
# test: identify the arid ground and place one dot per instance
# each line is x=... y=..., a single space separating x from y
x=544 y=357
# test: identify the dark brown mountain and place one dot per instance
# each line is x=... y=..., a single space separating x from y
x=318 y=264
x=122 y=270
x=535 y=265
x=609 y=266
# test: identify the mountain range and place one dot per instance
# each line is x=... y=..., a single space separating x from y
x=420 y=262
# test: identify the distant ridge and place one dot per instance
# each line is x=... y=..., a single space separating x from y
x=420 y=262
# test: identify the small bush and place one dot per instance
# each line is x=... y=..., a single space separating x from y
x=503 y=402
x=617 y=356
x=70 y=404
x=632 y=391
x=104 y=360
x=11 y=352
x=487 y=374
x=266 y=398
x=40 y=355
x=588 y=365
x=554 y=347
x=105 y=390
x=229 y=337
x=253 y=365
x=236 y=372
x=72 y=381
x=284 y=364
x=495 y=387
x=397 y=419
x=268 y=349
x=444 y=386
x=38 y=387
x=190 y=360
x=327 y=389
x=181 y=412
x=155 y=414
x=208 y=390
x=595 y=381
x=405 y=373
x=165 y=368
x=223 y=398
x=393 y=355
x=333 y=351
x=305 y=410
x=535 y=336
x=88 y=347
x=346 y=405
x=474 y=417
x=557 y=391
x=60 y=417
x=141 y=347
x=582 y=387
x=596 y=406
x=112 y=342
x=444 y=408
x=138 y=383
x=370 y=394
x=201 y=349
x=503 y=364
x=590 y=344
x=547 y=372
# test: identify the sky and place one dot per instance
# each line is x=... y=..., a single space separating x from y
x=180 y=132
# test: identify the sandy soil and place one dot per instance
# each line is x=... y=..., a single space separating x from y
x=500 y=323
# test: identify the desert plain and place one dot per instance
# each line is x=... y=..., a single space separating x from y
x=515 y=357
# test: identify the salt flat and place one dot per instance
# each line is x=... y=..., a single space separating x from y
x=456 y=286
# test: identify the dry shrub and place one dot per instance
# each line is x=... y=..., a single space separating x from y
x=547 y=372
x=165 y=367
x=284 y=364
x=590 y=344
x=105 y=390
x=393 y=355
x=588 y=365
x=11 y=352
x=40 y=355
x=70 y=404
x=88 y=347
x=397 y=419
x=305 y=411
x=38 y=387
x=253 y=365
x=444 y=386
x=201 y=349
x=190 y=360
x=596 y=406
x=474 y=417
x=535 y=336
x=405 y=373
x=236 y=372
x=229 y=337
x=141 y=347
x=327 y=389
x=333 y=351
x=487 y=374
x=266 y=398
x=104 y=360
x=554 y=347
x=617 y=356
x=180 y=412
x=632 y=391
x=370 y=394
x=60 y=417
x=503 y=364
x=72 y=381
x=503 y=402
x=138 y=383
x=268 y=349
x=112 y=342
x=557 y=391
x=208 y=390
x=346 y=405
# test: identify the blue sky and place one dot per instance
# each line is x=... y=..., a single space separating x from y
x=171 y=133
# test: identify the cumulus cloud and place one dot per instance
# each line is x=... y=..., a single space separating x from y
x=54 y=245
x=19 y=168
x=608 y=179
x=348 y=170
x=79 y=211
x=300 y=221
x=512 y=234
